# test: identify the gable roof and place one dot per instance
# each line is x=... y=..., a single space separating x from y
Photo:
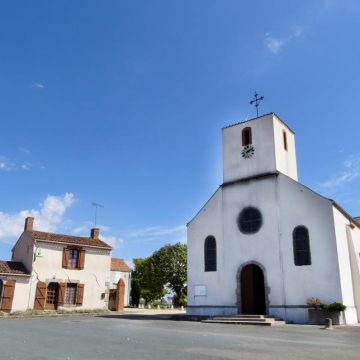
x=68 y=239
x=119 y=265
x=13 y=268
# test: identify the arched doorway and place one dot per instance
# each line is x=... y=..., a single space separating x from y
x=252 y=290
x=52 y=296
x=120 y=293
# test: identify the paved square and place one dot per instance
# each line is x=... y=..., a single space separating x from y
x=137 y=336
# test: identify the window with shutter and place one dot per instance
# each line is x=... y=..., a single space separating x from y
x=80 y=294
x=8 y=295
x=301 y=245
x=65 y=258
x=62 y=290
x=210 y=253
x=73 y=258
x=81 y=259
x=70 y=294
x=40 y=296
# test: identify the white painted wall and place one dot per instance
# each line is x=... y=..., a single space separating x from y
x=95 y=275
x=21 y=291
x=353 y=237
x=284 y=204
x=207 y=222
x=285 y=159
x=344 y=266
x=115 y=276
x=23 y=251
x=235 y=166
x=298 y=205
x=269 y=156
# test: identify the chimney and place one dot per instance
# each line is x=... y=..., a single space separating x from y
x=29 y=222
x=95 y=233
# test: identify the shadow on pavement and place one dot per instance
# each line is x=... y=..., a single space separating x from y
x=165 y=317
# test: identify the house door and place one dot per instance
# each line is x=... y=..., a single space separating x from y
x=1 y=291
x=52 y=296
x=252 y=290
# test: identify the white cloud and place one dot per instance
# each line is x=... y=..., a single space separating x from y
x=86 y=226
x=157 y=233
x=349 y=173
x=130 y=263
x=276 y=44
x=345 y=4
x=8 y=165
x=37 y=85
x=84 y=230
x=47 y=218
x=113 y=241
x=24 y=150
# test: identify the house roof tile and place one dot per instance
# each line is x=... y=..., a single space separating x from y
x=13 y=268
x=68 y=239
x=119 y=265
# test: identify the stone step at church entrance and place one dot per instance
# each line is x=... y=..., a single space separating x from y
x=263 y=320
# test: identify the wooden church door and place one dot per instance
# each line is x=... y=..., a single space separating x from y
x=252 y=290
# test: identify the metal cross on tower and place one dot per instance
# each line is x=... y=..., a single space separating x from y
x=256 y=101
x=96 y=209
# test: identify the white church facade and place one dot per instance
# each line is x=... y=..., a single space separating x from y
x=264 y=243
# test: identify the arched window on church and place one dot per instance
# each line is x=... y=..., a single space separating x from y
x=246 y=136
x=285 y=140
x=210 y=253
x=301 y=243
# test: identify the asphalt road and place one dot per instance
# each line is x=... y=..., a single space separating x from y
x=141 y=337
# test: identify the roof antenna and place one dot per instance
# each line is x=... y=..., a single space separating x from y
x=96 y=205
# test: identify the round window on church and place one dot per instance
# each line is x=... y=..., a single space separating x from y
x=250 y=220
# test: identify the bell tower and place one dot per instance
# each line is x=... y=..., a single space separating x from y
x=258 y=146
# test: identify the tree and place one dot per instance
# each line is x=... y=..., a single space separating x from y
x=135 y=292
x=170 y=267
x=150 y=286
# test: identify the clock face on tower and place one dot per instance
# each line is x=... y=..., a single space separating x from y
x=248 y=151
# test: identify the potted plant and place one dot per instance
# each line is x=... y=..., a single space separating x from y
x=319 y=311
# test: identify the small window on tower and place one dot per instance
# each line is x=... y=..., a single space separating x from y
x=285 y=140
x=246 y=136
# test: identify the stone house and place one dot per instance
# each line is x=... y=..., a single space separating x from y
x=53 y=271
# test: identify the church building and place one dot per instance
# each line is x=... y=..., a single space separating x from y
x=264 y=243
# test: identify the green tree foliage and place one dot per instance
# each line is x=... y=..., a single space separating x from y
x=166 y=266
x=151 y=288
x=170 y=265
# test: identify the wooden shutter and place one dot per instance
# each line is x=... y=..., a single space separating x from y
x=65 y=258
x=79 y=294
x=62 y=289
x=81 y=259
x=8 y=295
x=40 y=296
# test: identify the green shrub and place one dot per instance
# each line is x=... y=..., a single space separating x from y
x=335 y=306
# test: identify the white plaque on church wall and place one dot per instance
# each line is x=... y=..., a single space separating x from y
x=200 y=290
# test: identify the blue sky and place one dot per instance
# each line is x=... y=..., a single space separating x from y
x=122 y=103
